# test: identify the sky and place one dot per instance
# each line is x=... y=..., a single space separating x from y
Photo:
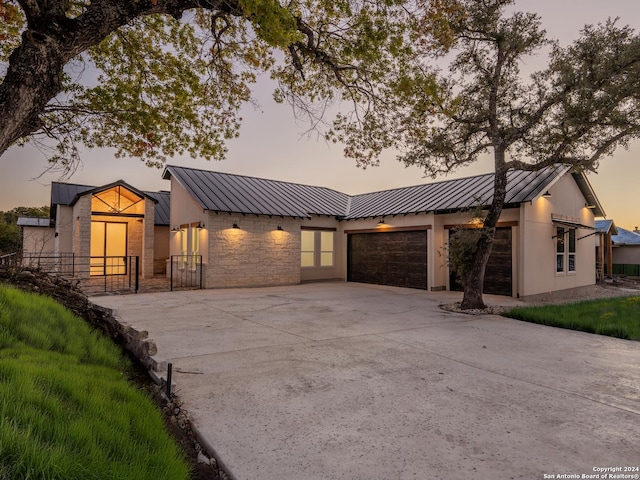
x=273 y=145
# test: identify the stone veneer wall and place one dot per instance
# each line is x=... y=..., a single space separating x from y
x=148 y=242
x=256 y=254
x=82 y=232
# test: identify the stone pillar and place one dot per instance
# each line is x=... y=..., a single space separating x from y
x=147 y=239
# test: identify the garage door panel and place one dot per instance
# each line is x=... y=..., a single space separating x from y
x=498 y=277
x=388 y=258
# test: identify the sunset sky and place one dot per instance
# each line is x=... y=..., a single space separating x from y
x=272 y=145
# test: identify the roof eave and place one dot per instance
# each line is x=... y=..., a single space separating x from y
x=589 y=194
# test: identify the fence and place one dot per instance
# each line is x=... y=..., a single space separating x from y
x=9 y=259
x=108 y=274
x=626 y=269
x=186 y=271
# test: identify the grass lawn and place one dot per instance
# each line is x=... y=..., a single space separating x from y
x=615 y=317
x=66 y=408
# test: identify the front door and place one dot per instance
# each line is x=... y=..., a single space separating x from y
x=108 y=248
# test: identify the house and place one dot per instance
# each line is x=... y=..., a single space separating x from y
x=37 y=235
x=240 y=231
x=605 y=229
x=626 y=252
x=251 y=231
x=107 y=225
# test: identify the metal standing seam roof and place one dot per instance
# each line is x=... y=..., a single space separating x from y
x=451 y=195
x=224 y=192
x=33 y=222
x=67 y=194
x=626 y=237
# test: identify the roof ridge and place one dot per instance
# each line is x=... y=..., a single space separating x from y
x=257 y=178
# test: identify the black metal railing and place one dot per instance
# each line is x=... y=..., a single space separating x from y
x=186 y=271
x=96 y=274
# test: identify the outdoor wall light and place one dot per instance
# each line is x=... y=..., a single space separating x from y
x=381 y=222
x=201 y=225
x=546 y=194
x=586 y=205
x=235 y=225
x=175 y=229
x=279 y=227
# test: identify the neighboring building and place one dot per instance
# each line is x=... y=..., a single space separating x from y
x=37 y=236
x=626 y=252
x=111 y=222
x=254 y=232
x=243 y=231
x=605 y=229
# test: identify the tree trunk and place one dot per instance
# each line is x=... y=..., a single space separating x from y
x=32 y=80
x=474 y=281
x=35 y=69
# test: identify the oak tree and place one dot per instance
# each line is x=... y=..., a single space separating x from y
x=156 y=78
x=579 y=109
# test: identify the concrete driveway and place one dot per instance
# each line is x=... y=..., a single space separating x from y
x=359 y=382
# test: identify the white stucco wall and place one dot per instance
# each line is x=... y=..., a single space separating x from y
x=185 y=211
x=537 y=256
x=64 y=229
x=38 y=240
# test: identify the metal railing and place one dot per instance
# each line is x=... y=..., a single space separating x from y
x=186 y=271
x=9 y=259
x=107 y=274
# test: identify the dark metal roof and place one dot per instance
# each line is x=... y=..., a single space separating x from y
x=33 y=222
x=162 y=207
x=64 y=193
x=452 y=195
x=223 y=192
x=68 y=194
x=121 y=183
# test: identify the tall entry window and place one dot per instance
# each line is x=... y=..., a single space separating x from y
x=317 y=248
x=108 y=248
x=189 y=245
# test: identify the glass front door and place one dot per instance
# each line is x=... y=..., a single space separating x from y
x=108 y=248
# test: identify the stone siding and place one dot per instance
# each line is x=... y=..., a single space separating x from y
x=256 y=254
x=148 y=239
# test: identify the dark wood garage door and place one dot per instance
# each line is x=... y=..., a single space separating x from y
x=498 y=275
x=388 y=258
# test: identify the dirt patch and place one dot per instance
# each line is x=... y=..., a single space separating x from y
x=621 y=288
x=203 y=465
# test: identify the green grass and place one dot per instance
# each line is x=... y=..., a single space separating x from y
x=614 y=317
x=66 y=408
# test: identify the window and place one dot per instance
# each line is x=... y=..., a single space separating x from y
x=565 y=250
x=559 y=249
x=572 y=251
x=317 y=248
x=326 y=249
x=308 y=248
x=189 y=246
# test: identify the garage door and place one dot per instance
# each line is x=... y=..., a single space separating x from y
x=388 y=258
x=498 y=278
